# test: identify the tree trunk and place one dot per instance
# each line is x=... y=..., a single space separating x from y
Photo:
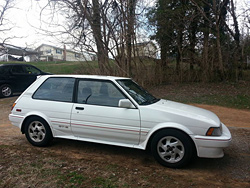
x=237 y=41
x=102 y=55
x=192 y=45
x=205 y=62
x=163 y=54
x=220 y=61
x=161 y=66
x=218 y=40
x=130 y=33
x=179 y=50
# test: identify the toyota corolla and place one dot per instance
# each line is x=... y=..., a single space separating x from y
x=117 y=111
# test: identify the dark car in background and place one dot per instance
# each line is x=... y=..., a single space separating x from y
x=17 y=77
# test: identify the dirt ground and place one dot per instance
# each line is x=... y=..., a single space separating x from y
x=69 y=163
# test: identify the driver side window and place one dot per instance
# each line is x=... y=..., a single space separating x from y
x=103 y=93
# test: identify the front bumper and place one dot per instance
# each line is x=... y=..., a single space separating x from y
x=212 y=146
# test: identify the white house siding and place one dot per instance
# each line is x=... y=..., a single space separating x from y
x=70 y=56
x=147 y=49
x=49 y=51
x=52 y=53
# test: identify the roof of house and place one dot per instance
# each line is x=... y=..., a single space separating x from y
x=16 y=50
x=56 y=48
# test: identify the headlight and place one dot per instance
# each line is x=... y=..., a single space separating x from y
x=214 y=131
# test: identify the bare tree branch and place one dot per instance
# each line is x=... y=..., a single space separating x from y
x=5 y=24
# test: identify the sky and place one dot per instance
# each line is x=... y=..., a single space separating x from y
x=25 y=18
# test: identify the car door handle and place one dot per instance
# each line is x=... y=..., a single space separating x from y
x=79 y=108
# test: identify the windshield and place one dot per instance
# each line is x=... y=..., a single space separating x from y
x=141 y=96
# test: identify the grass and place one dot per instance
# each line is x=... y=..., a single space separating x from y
x=112 y=167
x=61 y=67
x=19 y=164
x=71 y=179
x=37 y=167
x=233 y=95
x=103 y=182
x=238 y=101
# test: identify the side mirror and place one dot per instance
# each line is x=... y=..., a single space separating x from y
x=125 y=103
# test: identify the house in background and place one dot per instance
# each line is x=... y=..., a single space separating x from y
x=10 y=52
x=145 y=49
x=53 y=53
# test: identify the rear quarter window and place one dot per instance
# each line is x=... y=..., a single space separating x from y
x=18 y=69
x=4 y=70
x=56 y=89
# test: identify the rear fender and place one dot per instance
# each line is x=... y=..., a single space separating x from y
x=36 y=114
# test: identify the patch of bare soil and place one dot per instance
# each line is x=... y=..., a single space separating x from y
x=69 y=163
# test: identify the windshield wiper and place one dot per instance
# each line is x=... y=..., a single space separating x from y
x=147 y=102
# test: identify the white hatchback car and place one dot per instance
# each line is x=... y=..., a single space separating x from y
x=117 y=111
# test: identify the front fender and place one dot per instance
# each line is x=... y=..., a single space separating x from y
x=160 y=126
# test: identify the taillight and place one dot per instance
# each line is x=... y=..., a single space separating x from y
x=13 y=106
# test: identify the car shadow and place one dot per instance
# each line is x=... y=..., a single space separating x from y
x=89 y=147
x=142 y=157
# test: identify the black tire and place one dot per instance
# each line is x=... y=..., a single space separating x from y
x=38 y=132
x=172 y=148
x=5 y=90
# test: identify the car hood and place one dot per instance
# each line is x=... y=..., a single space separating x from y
x=165 y=111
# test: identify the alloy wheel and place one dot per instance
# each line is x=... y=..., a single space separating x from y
x=36 y=131
x=170 y=149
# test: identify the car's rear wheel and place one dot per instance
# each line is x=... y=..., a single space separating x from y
x=172 y=148
x=6 y=90
x=37 y=131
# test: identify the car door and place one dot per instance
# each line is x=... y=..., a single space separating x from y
x=96 y=115
x=18 y=78
x=31 y=74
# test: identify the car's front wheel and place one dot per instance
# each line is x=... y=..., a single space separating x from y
x=172 y=148
x=37 y=131
x=6 y=90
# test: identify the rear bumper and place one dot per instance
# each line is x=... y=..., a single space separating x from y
x=212 y=146
x=16 y=120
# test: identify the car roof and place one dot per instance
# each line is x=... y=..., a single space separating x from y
x=11 y=64
x=101 y=77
